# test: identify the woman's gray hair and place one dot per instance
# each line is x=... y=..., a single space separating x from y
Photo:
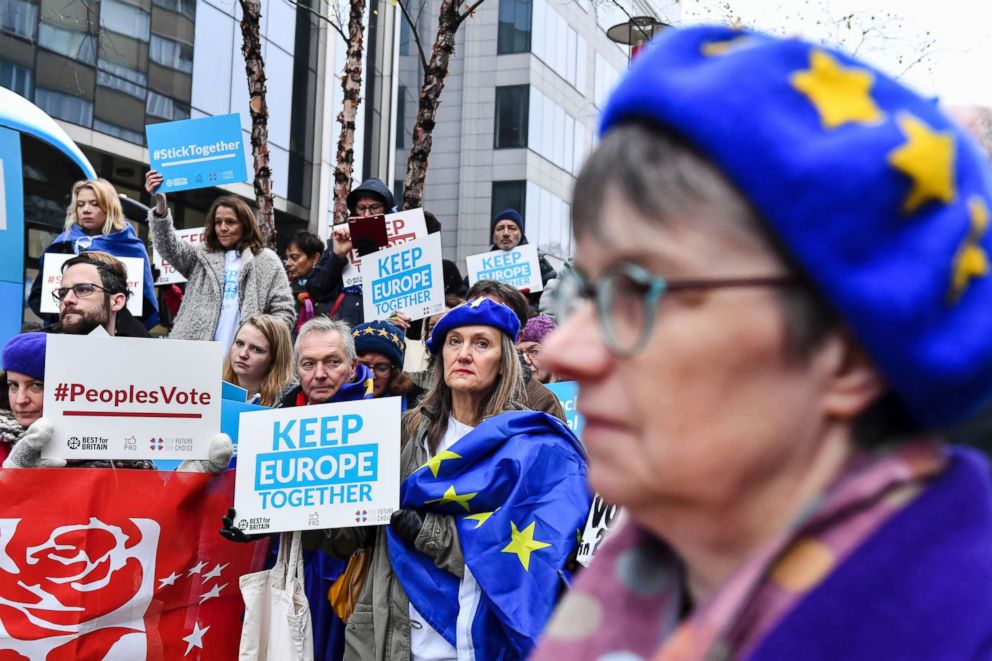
x=323 y=324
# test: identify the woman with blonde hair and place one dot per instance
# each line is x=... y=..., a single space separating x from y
x=261 y=359
x=95 y=221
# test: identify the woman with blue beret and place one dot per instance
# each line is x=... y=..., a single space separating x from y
x=492 y=498
x=782 y=295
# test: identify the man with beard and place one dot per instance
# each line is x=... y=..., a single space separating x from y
x=94 y=294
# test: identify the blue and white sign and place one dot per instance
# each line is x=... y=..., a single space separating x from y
x=11 y=235
x=197 y=153
x=401 y=227
x=567 y=393
x=313 y=467
x=518 y=267
x=408 y=278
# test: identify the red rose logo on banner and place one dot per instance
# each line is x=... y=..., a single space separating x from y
x=118 y=564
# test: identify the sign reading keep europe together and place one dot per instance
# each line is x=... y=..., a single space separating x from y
x=197 y=153
x=518 y=267
x=408 y=278
x=324 y=466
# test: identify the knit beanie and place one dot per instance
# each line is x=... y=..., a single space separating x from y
x=25 y=353
x=507 y=214
x=380 y=337
x=538 y=328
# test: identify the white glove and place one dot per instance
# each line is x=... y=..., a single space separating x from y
x=27 y=450
x=219 y=456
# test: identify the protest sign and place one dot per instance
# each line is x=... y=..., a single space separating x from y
x=168 y=275
x=401 y=227
x=567 y=393
x=324 y=466
x=131 y=398
x=602 y=517
x=52 y=280
x=197 y=153
x=408 y=278
x=518 y=267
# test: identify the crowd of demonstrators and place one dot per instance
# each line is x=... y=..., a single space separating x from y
x=531 y=338
x=302 y=254
x=326 y=283
x=772 y=427
x=430 y=553
x=95 y=221
x=380 y=347
x=230 y=276
x=260 y=360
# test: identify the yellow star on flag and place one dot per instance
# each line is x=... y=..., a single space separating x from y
x=840 y=95
x=522 y=543
x=971 y=260
x=451 y=497
x=481 y=517
x=434 y=463
x=927 y=158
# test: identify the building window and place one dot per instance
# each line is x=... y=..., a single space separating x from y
x=185 y=7
x=19 y=17
x=79 y=46
x=113 y=82
x=165 y=108
x=509 y=195
x=405 y=38
x=65 y=106
x=401 y=117
x=512 y=104
x=125 y=19
x=119 y=132
x=172 y=54
x=514 y=26
x=15 y=78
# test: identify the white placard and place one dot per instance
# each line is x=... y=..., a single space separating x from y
x=168 y=275
x=602 y=517
x=401 y=227
x=52 y=280
x=313 y=467
x=518 y=267
x=408 y=278
x=131 y=398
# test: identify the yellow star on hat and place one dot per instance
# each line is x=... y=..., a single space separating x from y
x=971 y=260
x=840 y=95
x=522 y=543
x=714 y=48
x=927 y=158
x=434 y=463
x=450 y=496
x=384 y=333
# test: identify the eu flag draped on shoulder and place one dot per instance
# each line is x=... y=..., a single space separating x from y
x=516 y=486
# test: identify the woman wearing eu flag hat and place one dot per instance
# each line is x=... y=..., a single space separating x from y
x=492 y=500
x=782 y=296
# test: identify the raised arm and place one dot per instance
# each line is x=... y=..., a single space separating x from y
x=180 y=254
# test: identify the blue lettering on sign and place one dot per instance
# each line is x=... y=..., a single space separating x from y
x=518 y=275
x=316 y=468
x=402 y=284
x=501 y=260
x=399 y=262
x=315 y=432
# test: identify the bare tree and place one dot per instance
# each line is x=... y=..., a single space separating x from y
x=251 y=48
x=351 y=84
x=450 y=18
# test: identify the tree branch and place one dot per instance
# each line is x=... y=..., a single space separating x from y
x=333 y=24
x=414 y=33
x=468 y=12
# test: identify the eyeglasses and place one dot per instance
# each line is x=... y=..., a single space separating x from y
x=533 y=352
x=372 y=209
x=82 y=290
x=380 y=369
x=626 y=299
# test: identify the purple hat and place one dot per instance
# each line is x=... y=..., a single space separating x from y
x=538 y=328
x=25 y=353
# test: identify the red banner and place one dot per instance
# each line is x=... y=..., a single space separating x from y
x=119 y=564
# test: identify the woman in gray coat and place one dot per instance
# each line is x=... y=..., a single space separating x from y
x=230 y=275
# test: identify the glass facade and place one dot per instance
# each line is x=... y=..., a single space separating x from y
x=513 y=35
x=509 y=195
x=511 y=116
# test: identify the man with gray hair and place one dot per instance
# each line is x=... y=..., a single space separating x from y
x=327 y=365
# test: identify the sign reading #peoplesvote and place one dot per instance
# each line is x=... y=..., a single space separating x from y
x=314 y=466
x=518 y=267
x=197 y=153
x=407 y=277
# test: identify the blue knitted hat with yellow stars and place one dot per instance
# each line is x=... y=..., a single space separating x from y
x=478 y=312
x=380 y=337
x=879 y=197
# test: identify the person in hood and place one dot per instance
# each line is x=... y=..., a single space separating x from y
x=326 y=283
x=95 y=221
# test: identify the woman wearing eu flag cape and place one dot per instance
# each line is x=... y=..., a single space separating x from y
x=491 y=501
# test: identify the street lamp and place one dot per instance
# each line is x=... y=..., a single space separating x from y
x=636 y=32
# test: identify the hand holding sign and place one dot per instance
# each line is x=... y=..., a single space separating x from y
x=153 y=180
x=341 y=240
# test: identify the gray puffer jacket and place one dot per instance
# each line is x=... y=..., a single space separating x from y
x=263 y=287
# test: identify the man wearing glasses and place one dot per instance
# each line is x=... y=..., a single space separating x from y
x=93 y=294
x=325 y=284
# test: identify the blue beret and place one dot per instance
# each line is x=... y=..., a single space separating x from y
x=25 y=353
x=380 y=337
x=477 y=312
x=878 y=196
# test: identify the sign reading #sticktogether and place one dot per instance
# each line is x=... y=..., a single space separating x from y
x=408 y=278
x=324 y=466
x=131 y=398
x=518 y=267
x=401 y=227
x=197 y=153
x=52 y=280
x=168 y=275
